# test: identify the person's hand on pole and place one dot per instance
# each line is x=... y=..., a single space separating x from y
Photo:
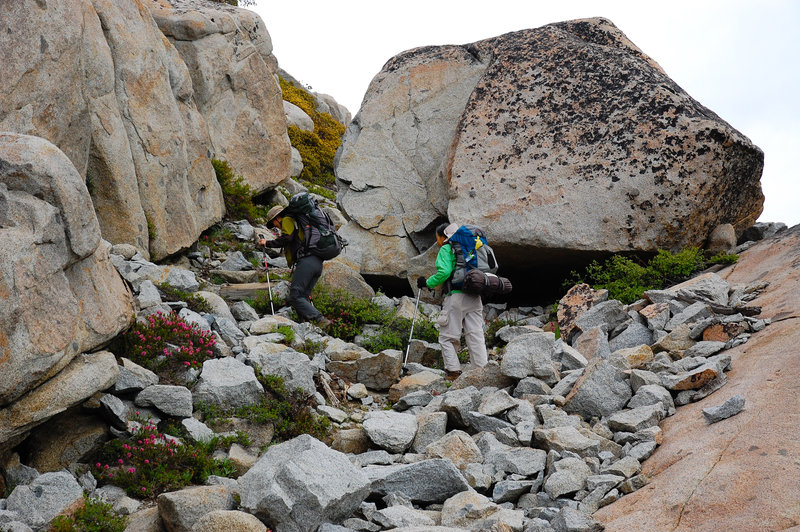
x=421 y=282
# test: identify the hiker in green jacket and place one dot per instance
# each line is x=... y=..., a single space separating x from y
x=459 y=310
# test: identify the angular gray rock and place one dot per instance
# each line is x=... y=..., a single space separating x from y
x=729 y=408
x=44 y=498
x=171 y=400
x=530 y=355
x=607 y=313
x=428 y=481
x=566 y=438
x=430 y=428
x=133 y=377
x=242 y=311
x=228 y=331
x=288 y=488
x=651 y=394
x=600 y=391
x=292 y=366
x=393 y=431
x=569 y=475
x=636 y=419
x=227 y=383
x=180 y=510
x=634 y=335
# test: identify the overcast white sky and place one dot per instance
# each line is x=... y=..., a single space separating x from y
x=739 y=58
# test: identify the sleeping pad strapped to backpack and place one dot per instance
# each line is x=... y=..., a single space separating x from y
x=476 y=264
x=321 y=238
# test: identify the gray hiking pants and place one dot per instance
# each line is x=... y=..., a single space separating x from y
x=306 y=274
x=462 y=310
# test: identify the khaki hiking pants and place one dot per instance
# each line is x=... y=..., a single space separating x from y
x=462 y=310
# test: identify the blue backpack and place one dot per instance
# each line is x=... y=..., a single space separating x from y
x=476 y=265
x=473 y=252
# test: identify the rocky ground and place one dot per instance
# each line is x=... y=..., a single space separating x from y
x=550 y=432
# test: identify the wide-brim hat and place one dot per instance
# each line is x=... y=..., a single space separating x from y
x=274 y=212
x=450 y=230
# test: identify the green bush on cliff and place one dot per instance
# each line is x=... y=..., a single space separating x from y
x=237 y=194
x=317 y=148
x=627 y=278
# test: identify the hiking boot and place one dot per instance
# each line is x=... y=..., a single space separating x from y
x=322 y=322
x=451 y=375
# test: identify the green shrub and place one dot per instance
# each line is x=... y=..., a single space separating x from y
x=220 y=239
x=317 y=148
x=287 y=332
x=290 y=412
x=626 y=279
x=260 y=302
x=237 y=194
x=348 y=314
x=196 y=303
x=322 y=191
x=167 y=344
x=491 y=331
x=94 y=516
x=723 y=258
x=310 y=348
x=149 y=463
x=394 y=334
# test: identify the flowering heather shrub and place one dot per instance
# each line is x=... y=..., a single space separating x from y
x=167 y=344
x=150 y=463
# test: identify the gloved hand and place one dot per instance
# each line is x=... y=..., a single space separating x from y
x=421 y=282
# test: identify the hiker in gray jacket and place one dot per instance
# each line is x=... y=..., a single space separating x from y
x=306 y=269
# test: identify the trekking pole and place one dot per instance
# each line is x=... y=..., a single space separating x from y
x=413 y=321
x=269 y=285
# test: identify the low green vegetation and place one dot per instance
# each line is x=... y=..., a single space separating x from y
x=260 y=302
x=317 y=148
x=322 y=191
x=238 y=195
x=492 y=339
x=290 y=412
x=151 y=462
x=151 y=227
x=194 y=301
x=94 y=516
x=627 y=278
x=349 y=314
x=287 y=332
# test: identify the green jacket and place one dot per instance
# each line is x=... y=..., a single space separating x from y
x=445 y=266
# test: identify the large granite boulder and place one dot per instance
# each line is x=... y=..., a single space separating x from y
x=140 y=115
x=300 y=484
x=112 y=93
x=59 y=293
x=228 y=52
x=560 y=140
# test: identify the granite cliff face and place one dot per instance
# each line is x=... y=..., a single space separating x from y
x=60 y=296
x=559 y=140
x=140 y=111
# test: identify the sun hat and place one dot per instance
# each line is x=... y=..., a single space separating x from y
x=274 y=212
x=450 y=230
